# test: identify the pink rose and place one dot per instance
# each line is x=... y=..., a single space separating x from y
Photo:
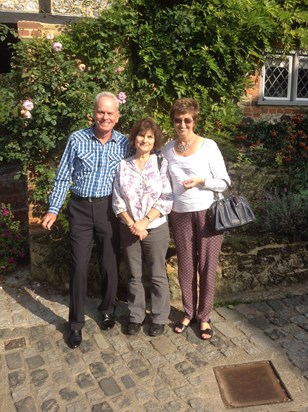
x=57 y=46
x=5 y=212
x=49 y=36
x=28 y=104
x=119 y=69
x=25 y=113
x=122 y=97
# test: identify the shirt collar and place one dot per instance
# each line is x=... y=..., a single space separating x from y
x=115 y=136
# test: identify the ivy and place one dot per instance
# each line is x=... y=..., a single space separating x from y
x=152 y=51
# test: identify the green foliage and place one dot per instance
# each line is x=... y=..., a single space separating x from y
x=154 y=52
x=291 y=17
x=287 y=214
x=13 y=245
x=281 y=144
x=278 y=151
x=5 y=31
x=200 y=49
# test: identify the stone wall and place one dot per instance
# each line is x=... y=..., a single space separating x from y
x=259 y=264
x=84 y=8
x=28 y=6
x=247 y=264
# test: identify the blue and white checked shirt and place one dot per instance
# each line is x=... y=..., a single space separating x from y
x=87 y=167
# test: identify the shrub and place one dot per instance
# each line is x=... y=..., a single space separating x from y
x=279 y=145
x=287 y=214
x=13 y=244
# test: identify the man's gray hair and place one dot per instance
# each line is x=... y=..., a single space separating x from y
x=106 y=94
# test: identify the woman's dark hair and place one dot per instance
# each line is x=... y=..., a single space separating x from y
x=185 y=105
x=142 y=126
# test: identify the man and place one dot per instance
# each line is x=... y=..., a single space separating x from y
x=87 y=168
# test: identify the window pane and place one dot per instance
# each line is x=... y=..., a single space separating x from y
x=302 y=78
x=276 y=78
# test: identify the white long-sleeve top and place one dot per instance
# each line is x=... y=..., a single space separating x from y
x=208 y=163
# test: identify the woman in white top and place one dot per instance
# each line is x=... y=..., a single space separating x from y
x=197 y=170
x=142 y=199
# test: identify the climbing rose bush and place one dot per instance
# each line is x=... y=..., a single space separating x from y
x=13 y=245
x=57 y=46
x=122 y=97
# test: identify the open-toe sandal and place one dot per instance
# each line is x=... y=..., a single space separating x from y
x=181 y=326
x=206 y=331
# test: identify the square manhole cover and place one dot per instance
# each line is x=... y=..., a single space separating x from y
x=250 y=384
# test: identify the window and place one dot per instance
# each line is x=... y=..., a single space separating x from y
x=284 y=80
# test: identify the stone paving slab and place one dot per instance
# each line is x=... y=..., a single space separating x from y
x=111 y=371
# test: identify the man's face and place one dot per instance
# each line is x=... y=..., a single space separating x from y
x=106 y=115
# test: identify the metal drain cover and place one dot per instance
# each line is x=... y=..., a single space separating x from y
x=250 y=384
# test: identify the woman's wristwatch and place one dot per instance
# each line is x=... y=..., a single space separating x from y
x=149 y=219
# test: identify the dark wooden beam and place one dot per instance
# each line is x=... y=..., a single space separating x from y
x=13 y=17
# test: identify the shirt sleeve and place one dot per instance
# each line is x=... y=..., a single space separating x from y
x=219 y=179
x=118 y=203
x=165 y=200
x=63 y=179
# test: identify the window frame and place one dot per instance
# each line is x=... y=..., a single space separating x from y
x=291 y=99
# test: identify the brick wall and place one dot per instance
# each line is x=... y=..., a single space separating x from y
x=30 y=29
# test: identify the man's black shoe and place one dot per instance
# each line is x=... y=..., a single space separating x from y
x=156 y=329
x=108 y=322
x=133 y=328
x=74 y=339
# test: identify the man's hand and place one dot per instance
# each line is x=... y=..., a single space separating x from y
x=48 y=220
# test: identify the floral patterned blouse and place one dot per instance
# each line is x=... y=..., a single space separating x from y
x=137 y=191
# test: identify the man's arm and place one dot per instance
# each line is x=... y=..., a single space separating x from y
x=60 y=188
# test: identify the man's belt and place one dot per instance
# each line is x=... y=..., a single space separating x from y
x=88 y=199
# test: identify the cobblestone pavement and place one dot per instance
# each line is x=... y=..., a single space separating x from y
x=111 y=371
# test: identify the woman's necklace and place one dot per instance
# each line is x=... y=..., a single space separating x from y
x=183 y=146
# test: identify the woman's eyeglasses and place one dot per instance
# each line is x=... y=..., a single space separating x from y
x=177 y=120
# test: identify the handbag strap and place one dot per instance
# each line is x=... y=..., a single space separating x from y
x=227 y=183
x=219 y=195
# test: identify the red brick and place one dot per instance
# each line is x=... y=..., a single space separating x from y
x=28 y=25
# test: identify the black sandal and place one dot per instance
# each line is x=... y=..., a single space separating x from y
x=207 y=331
x=180 y=325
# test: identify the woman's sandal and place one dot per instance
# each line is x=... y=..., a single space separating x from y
x=206 y=331
x=181 y=326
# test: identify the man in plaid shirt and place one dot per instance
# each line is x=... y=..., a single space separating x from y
x=87 y=169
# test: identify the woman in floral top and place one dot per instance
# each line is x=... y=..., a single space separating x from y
x=142 y=198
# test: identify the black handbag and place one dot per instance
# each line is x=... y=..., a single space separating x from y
x=227 y=213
